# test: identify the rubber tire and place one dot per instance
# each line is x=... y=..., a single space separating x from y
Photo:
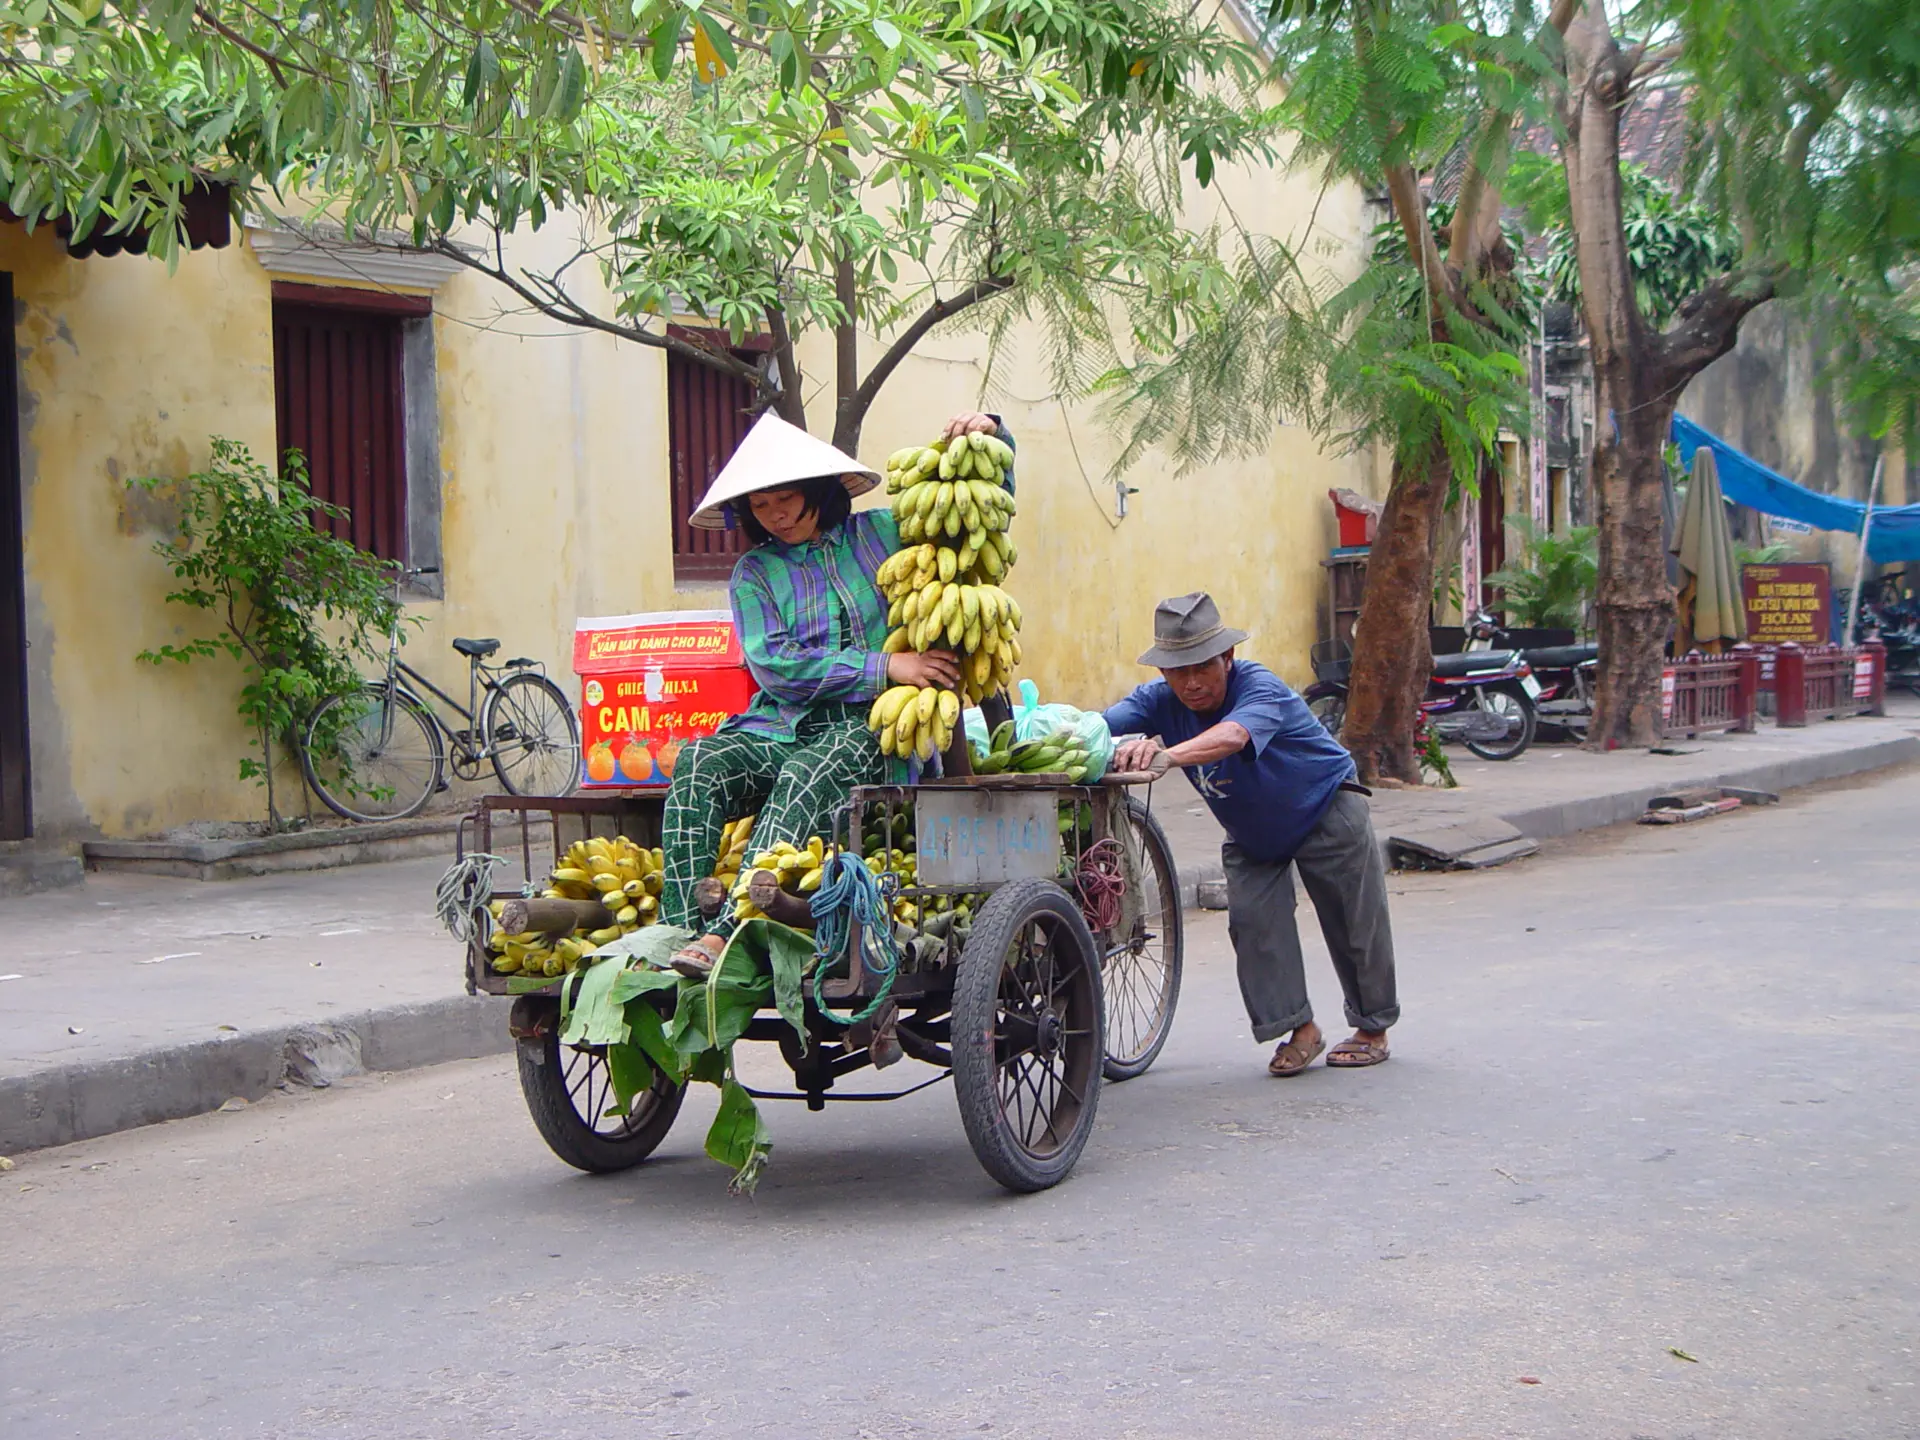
x=976 y=1073
x=1173 y=941
x=497 y=697
x=543 y=1083
x=1328 y=703
x=405 y=704
x=1529 y=723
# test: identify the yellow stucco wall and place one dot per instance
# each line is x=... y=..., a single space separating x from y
x=124 y=371
x=554 y=501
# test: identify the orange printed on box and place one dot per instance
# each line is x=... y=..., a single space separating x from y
x=648 y=685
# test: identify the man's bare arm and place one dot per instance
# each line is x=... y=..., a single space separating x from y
x=1229 y=737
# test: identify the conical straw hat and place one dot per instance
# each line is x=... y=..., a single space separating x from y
x=775 y=454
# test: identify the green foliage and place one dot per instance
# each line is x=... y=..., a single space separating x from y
x=1435 y=767
x=295 y=606
x=1675 y=247
x=1552 y=585
x=612 y=1002
x=1761 y=554
x=858 y=163
x=1374 y=358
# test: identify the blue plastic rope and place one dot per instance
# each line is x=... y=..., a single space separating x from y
x=850 y=892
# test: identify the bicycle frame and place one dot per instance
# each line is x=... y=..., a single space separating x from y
x=481 y=680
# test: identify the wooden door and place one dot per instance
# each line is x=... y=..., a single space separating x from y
x=16 y=786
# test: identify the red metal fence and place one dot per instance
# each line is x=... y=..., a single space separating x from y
x=1827 y=682
x=1712 y=692
x=1823 y=682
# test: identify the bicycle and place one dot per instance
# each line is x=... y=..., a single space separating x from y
x=382 y=751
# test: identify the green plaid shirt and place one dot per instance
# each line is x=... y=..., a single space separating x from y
x=811 y=620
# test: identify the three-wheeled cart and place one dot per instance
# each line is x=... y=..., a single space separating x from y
x=1039 y=953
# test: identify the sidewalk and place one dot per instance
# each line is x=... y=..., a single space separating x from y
x=140 y=999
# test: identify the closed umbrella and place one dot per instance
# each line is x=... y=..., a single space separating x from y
x=1710 y=614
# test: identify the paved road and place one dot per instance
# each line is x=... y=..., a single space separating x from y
x=1679 y=1114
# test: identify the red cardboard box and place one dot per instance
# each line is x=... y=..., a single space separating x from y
x=649 y=684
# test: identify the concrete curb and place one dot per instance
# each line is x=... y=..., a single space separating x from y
x=298 y=850
x=57 y=1107
x=1550 y=822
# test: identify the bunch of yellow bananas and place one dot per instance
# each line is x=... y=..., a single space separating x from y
x=955 y=491
x=733 y=850
x=941 y=587
x=912 y=720
x=625 y=877
x=928 y=606
x=800 y=870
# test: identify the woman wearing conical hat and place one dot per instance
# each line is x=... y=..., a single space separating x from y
x=811 y=621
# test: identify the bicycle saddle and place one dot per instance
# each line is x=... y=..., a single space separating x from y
x=478 y=649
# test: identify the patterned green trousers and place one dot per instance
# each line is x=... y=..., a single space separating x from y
x=793 y=786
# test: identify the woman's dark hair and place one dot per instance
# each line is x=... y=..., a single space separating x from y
x=825 y=495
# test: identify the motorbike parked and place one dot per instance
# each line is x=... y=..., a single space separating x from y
x=1893 y=618
x=1567 y=675
x=1482 y=699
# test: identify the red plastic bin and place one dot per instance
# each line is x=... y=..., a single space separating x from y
x=1356 y=526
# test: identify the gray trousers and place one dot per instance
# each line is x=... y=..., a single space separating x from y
x=1340 y=865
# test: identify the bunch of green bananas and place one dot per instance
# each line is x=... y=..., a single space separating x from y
x=1057 y=753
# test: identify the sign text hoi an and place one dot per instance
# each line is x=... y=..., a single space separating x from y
x=1787 y=602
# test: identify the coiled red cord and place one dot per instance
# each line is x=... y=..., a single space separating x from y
x=1101 y=882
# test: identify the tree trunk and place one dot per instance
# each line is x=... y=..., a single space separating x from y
x=1639 y=374
x=1392 y=651
x=1635 y=602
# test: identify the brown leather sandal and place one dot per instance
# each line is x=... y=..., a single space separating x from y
x=1292 y=1057
x=695 y=962
x=1356 y=1054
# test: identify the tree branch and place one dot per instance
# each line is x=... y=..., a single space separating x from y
x=228 y=33
x=557 y=304
x=1403 y=186
x=914 y=333
x=1708 y=322
x=793 y=404
x=846 y=346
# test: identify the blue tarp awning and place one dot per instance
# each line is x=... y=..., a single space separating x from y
x=1745 y=481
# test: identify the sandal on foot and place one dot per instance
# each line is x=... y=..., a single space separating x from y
x=1293 y=1057
x=696 y=962
x=1355 y=1054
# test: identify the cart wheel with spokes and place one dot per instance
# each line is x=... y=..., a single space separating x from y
x=1140 y=972
x=568 y=1093
x=1028 y=1034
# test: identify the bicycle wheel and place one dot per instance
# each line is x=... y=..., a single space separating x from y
x=1330 y=709
x=529 y=728
x=372 y=754
x=1141 y=971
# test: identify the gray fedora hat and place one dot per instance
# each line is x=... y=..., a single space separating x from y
x=1187 y=631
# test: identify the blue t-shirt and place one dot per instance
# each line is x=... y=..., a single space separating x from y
x=1272 y=793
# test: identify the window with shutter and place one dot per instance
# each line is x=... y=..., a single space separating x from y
x=708 y=415
x=340 y=400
